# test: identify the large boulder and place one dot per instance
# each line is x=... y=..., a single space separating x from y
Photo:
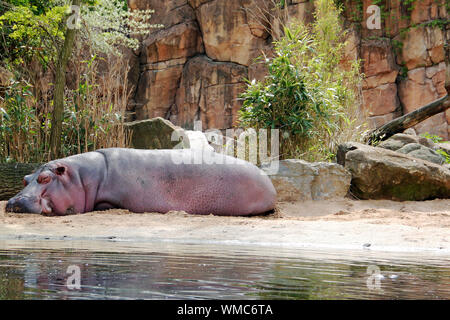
x=379 y=173
x=399 y=140
x=153 y=133
x=419 y=151
x=159 y=133
x=414 y=146
x=298 y=180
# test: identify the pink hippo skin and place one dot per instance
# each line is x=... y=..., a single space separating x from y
x=146 y=181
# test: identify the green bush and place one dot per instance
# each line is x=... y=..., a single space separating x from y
x=438 y=139
x=308 y=95
x=31 y=29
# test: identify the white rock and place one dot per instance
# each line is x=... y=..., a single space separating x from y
x=198 y=141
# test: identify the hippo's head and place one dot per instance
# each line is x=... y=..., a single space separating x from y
x=49 y=190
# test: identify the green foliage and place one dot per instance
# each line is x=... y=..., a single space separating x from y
x=437 y=139
x=307 y=94
x=37 y=6
x=19 y=127
x=444 y=154
x=109 y=24
x=32 y=29
x=432 y=137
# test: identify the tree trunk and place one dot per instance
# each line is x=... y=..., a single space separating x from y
x=58 y=97
x=11 y=177
x=409 y=120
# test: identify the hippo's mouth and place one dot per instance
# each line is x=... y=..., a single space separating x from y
x=46 y=206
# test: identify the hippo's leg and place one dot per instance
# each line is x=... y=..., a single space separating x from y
x=104 y=206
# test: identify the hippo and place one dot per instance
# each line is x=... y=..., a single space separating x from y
x=146 y=181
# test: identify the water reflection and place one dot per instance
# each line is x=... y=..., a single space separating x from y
x=178 y=271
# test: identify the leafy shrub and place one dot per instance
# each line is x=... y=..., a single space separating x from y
x=31 y=29
x=308 y=95
x=437 y=139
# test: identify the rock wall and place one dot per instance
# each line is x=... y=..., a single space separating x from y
x=194 y=68
x=406 y=62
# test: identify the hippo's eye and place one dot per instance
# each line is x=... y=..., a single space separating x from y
x=43 y=179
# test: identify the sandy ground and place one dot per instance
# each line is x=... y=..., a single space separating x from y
x=334 y=224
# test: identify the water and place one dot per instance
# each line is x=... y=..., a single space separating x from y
x=114 y=270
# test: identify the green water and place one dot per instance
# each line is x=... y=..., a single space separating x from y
x=111 y=270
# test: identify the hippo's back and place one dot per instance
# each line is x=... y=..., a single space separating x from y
x=187 y=180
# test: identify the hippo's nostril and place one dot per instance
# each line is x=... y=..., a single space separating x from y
x=9 y=207
x=13 y=207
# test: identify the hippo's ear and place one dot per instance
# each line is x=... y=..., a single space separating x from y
x=26 y=180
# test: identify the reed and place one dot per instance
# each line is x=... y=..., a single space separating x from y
x=94 y=112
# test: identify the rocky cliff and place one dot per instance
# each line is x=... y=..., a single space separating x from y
x=194 y=67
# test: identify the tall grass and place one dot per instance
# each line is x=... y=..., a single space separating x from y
x=20 y=129
x=94 y=112
x=96 y=109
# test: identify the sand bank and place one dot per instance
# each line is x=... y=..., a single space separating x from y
x=379 y=225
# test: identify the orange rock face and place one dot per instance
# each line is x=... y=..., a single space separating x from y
x=381 y=100
x=194 y=67
x=208 y=92
x=422 y=46
x=422 y=86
